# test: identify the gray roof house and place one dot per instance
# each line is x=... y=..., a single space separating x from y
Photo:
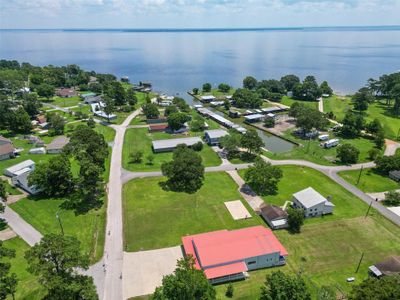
x=6 y=148
x=170 y=144
x=57 y=145
x=212 y=137
x=20 y=168
x=312 y=202
x=395 y=175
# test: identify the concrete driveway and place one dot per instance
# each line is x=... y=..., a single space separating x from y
x=143 y=271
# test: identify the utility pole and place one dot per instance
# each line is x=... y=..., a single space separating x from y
x=369 y=207
x=359 y=263
x=359 y=175
x=59 y=222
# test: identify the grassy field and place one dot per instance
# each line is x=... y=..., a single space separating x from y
x=370 y=182
x=66 y=102
x=312 y=151
x=106 y=131
x=289 y=101
x=296 y=178
x=379 y=110
x=88 y=228
x=338 y=105
x=140 y=139
x=28 y=288
x=154 y=218
x=215 y=92
x=390 y=123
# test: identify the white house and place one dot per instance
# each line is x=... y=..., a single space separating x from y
x=312 y=202
x=21 y=181
x=20 y=168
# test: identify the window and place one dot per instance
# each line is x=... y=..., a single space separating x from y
x=251 y=262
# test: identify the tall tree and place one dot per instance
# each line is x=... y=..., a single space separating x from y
x=55 y=260
x=347 y=153
x=177 y=120
x=185 y=172
x=150 y=110
x=252 y=142
x=45 y=90
x=186 y=282
x=223 y=87
x=109 y=106
x=246 y=98
x=295 y=219
x=19 y=121
x=353 y=123
x=325 y=88
x=279 y=286
x=86 y=140
x=56 y=123
x=8 y=281
x=207 y=87
x=116 y=91
x=385 y=288
x=362 y=98
x=53 y=178
x=249 y=82
x=289 y=81
x=231 y=143
x=263 y=178
x=31 y=104
x=395 y=93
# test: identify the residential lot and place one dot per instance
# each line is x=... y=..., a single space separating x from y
x=88 y=228
x=311 y=150
x=140 y=139
x=296 y=178
x=28 y=287
x=154 y=218
x=370 y=181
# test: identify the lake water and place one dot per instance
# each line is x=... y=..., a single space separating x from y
x=178 y=61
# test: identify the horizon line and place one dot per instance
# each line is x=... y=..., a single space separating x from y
x=215 y=29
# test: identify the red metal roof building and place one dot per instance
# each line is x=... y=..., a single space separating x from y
x=158 y=127
x=227 y=255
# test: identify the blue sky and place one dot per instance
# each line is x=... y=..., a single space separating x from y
x=195 y=13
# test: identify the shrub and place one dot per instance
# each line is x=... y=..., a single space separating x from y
x=198 y=146
x=136 y=156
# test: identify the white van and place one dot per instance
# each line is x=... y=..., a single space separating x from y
x=323 y=137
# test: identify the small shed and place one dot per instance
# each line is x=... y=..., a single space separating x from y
x=158 y=127
x=275 y=216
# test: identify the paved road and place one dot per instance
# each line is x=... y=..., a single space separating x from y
x=113 y=249
x=21 y=227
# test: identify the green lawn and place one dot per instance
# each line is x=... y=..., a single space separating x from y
x=28 y=287
x=84 y=108
x=370 y=181
x=338 y=105
x=296 y=178
x=390 y=123
x=215 y=92
x=11 y=190
x=154 y=218
x=88 y=228
x=312 y=151
x=106 y=131
x=139 y=120
x=66 y=102
x=141 y=138
x=379 y=110
x=289 y=101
